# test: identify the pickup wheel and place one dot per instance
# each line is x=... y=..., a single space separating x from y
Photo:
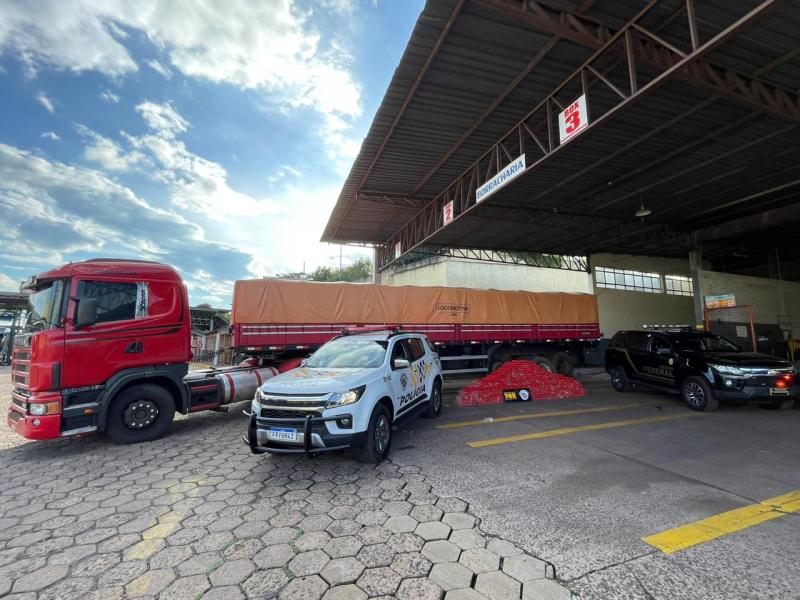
x=435 y=403
x=379 y=436
x=619 y=379
x=139 y=414
x=698 y=395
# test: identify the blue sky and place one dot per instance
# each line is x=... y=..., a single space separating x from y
x=213 y=136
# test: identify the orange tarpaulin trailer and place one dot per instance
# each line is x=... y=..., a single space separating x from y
x=303 y=302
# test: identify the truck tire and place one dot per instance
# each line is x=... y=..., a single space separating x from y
x=435 y=403
x=619 y=379
x=140 y=413
x=379 y=436
x=564 y=364
x=698 y=395
x=785 y=404
x=544 y=363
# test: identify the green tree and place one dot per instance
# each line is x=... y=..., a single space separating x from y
x=359 y=270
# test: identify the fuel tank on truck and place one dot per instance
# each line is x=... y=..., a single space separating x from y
x=236 y=384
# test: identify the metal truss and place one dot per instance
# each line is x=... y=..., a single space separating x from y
x=535 y=135
x=649 y=48
x=530 y=259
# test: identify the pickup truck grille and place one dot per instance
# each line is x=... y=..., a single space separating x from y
x=269 y=413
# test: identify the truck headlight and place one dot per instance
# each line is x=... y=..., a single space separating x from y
x=46 y=408
x=727 y=369
x=255 y=407
x=345 y=398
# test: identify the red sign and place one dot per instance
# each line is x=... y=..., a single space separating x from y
x=447 y=212
x=573 y=119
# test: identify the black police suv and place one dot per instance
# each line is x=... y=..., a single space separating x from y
x=705 y=368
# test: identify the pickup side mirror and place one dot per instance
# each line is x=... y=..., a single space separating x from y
x=85 y=312
x=665 y=351
x=400 y=363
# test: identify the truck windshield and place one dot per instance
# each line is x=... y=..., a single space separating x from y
x=44 y=306
x=706 y=343
x=349 y=353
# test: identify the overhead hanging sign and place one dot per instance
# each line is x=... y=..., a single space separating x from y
x=447 y=212
x=511 y=171
x=573 y=119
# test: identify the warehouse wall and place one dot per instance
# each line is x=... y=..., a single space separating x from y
x=768 y=297
x=485 y=275
x=476 y=274
x=431 y=272
x=625 y=309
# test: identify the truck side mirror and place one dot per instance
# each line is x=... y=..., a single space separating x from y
x=85 y=312
x=400 y=363
x=665 y=351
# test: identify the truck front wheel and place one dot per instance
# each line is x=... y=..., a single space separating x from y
x=379 y=436
x=139 y=413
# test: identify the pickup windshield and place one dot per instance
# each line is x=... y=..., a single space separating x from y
x=44 y=306
x=349 y=353
x=706 y=343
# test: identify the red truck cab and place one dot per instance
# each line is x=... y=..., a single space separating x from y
x=105 y=348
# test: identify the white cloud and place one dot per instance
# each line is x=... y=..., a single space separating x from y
x=7 y=284
x=109 y=96
x=163 y=118
x=268 y=45
x=46 y=102
x=339 y=6
x=73 y=212
x=106 y=153
x=50 y=135
x=159 y=68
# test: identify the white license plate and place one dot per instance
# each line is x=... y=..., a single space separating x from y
x=282 y=434
x=778 y=392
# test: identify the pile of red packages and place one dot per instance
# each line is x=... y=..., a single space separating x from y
x=519 y=375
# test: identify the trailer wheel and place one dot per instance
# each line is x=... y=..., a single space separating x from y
x=563 y=363
x=140 y=413
x=379 y=436
x=545 y=363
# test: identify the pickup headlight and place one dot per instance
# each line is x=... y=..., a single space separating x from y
x=345 y=398
x=727 y=369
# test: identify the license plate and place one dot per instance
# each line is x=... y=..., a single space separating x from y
x=778 y=392
x=282 y=434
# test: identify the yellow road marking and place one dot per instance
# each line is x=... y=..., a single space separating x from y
x=567 y=430
x=680 y=538
x=541 y=415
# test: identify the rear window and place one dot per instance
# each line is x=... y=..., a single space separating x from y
x=618 y=339
x=636 y=340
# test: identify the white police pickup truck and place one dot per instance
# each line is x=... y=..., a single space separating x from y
x=347 y=395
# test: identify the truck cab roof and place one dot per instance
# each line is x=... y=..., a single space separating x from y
x=111 y=266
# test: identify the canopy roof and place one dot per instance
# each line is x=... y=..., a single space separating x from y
x=693 y=112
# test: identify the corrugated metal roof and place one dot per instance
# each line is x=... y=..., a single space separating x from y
x=723 y=156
